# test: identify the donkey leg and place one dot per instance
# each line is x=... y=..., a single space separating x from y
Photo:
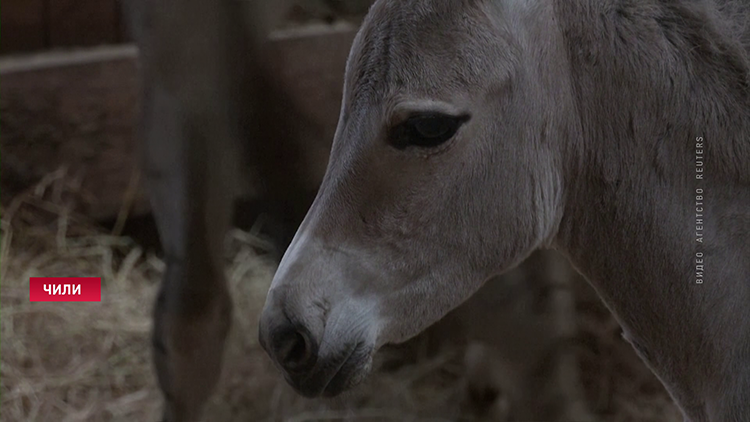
x=191 y=63
x=488 y=388
x=188 y=341
x=554 y=379
x=505 y=390
x=524 y=323
x=191 y=202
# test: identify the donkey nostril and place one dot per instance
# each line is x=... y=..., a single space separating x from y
x=295 y=350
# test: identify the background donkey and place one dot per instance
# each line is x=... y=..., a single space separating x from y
x=211 y=108
x=203 y=73
x=473 y=132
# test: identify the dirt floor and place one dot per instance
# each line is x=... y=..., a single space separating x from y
x=91 y=361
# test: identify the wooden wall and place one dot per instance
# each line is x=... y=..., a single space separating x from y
x=34 y=25
x=78 y=110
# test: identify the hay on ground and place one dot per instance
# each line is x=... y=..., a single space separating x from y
x=91 y=361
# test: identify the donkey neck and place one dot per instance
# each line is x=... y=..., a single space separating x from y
x=662 y=96
x=661 y=160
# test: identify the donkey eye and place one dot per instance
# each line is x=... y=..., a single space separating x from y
x=426 y=130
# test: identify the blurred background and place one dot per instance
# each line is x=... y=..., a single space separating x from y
x=73 y=204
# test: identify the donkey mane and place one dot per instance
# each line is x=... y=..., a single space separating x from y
x=676 y=62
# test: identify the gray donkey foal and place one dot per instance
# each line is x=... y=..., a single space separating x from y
x=474 y=131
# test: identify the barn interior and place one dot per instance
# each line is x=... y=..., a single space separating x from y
x=74 y=204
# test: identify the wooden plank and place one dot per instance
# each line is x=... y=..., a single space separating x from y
x=79 y=109
x=83 y=22
x=75 y=111
x=22 y=26
x=312 y=60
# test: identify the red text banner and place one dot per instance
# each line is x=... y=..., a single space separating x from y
x=65 y=289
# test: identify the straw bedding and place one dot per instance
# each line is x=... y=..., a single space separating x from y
x=91 y=361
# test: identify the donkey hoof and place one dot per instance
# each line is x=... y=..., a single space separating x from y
x=486 y=403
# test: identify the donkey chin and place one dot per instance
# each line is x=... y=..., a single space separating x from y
x=333 y=374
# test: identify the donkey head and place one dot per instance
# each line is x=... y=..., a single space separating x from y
x=446 y=169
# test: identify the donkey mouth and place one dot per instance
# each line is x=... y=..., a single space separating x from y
x=335 y=376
